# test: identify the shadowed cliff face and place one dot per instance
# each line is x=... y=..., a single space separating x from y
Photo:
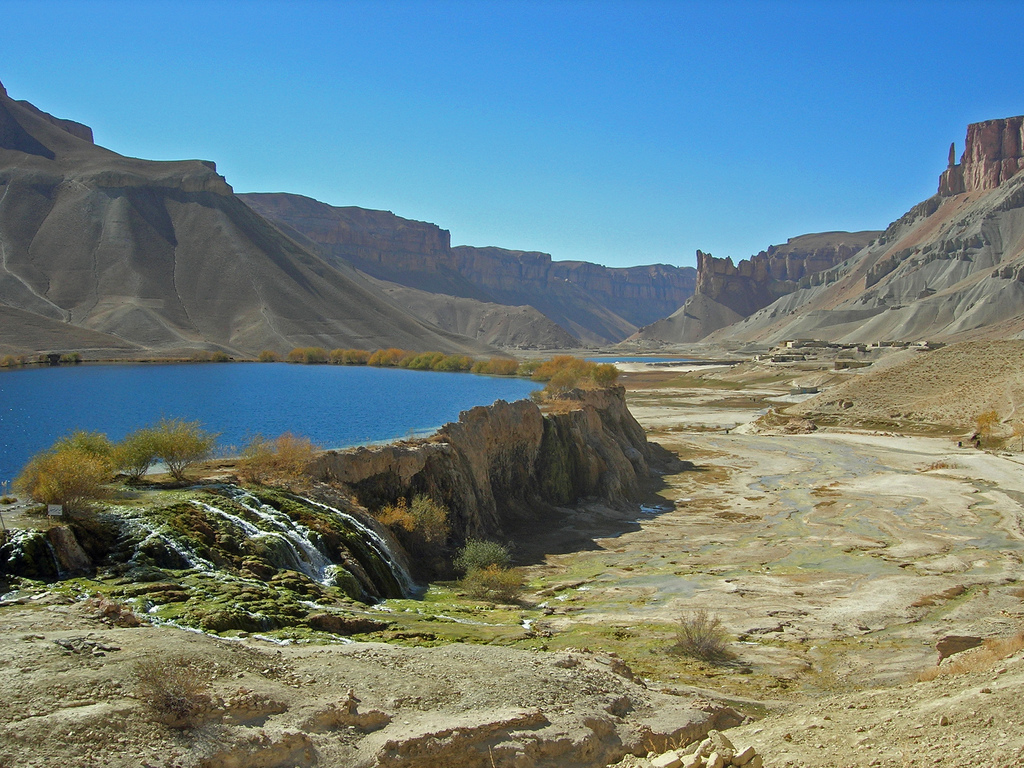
x=507 y=464
x=161 y=256
x=595 y=303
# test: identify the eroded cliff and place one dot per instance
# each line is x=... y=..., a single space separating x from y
x=726 y=292
x=508 y=463
x=993 y=152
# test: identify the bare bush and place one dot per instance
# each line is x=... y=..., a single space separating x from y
x=700 y=635
x=175 y=689
x=282 y=459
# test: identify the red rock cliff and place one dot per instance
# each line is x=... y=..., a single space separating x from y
x=758 y=281
x=993 y=152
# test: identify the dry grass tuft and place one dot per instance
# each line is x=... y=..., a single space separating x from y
x=176 y=689
x=940 y=464
x=982 y=659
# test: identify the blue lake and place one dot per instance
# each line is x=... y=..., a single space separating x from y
x=335 y=406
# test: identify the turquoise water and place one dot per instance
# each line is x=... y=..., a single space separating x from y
x=335 y=406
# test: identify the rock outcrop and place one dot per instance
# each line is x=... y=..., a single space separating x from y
x=594 y=303
x=951 y=268
x=506 y=463
x=726 y=292
x=993 y=153
x=163 y=257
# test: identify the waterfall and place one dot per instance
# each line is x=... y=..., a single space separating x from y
x=302 y=554
x=378 y=543
x=184 y=553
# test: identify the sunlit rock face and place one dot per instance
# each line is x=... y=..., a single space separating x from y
x=993 y=153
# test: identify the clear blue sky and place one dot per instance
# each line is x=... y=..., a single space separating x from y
x=616 y=132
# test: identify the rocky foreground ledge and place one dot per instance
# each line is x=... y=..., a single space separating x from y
x=71 y=698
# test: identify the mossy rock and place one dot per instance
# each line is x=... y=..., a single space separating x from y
x=225 y=620
x=28 y=555
x=345 y=625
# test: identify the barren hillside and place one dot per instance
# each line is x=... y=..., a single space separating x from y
x=947 y=386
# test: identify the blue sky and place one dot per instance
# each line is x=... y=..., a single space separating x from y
x=616 y=132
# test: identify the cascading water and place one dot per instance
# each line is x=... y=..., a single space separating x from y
x=379 y=545
x=285 y=543
x=299 y=552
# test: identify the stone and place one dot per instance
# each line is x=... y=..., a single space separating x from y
x=667 y=760
x=715 y=760
x=692 y=761
x=744 y=756
x=756 y=762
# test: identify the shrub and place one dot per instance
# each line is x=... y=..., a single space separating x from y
x=701 y=636
x=308 y=355
x=501 y=366
x=176 y=689
x=478 y=554
x=422 y=526
x=284 y=458
x=135 y=454
x=982 y=659
x=69 y=476
x=180 y=444
x=71 y=357
x=387 y=358
x=502 y=585
x=268 y=356
x=424 y=361
x=565 y=372
x=453 y=364
x=93 y=443
x=220 y=357
x=9 y=361
x=528 y=368
x=355 y=357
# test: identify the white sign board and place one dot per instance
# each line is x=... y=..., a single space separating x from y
x=55 y=510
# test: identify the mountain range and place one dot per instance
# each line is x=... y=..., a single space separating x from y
x=116 y=256
x=112 y=256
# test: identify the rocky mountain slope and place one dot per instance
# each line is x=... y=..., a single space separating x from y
x=726 y=293
x=951 y=268
x=594 y=303
x=130 y=255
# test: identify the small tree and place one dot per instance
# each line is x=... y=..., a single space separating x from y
x=986 y=423
x=135 y=454
x=180 y=444
x=68 y=476
x=94 y=443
